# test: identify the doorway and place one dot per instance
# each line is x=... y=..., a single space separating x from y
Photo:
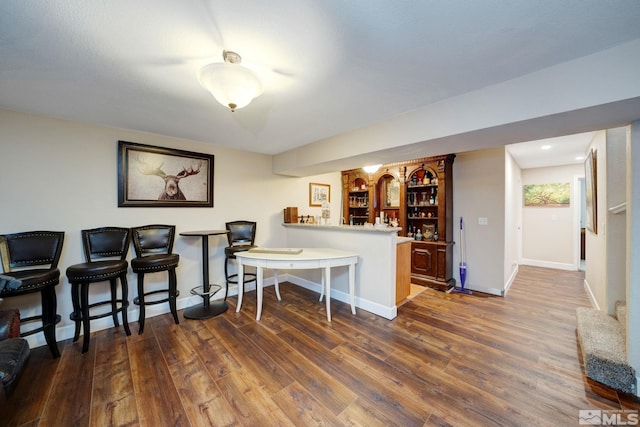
x=582 y=207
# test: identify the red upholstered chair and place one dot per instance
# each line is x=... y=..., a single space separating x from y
x=30 y=260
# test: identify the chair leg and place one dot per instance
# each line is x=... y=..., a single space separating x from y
x=84 y=302
x=173 y=291
x=77 y=313
x=114 y=302
x=226 y=277
x=125 y=303
x=141 y=303
x=49 y=318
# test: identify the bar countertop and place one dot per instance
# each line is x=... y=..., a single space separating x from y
x=345 y=227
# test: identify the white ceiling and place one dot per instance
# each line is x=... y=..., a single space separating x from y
x=328 y=67
x=565 y=150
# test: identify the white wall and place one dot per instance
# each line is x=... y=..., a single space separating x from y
x=550 y=234
x=596 y=244
x=616 y=222
x=633 y=246
x=606 y=265
x=479 y=192
x=491 y=116
x=62 y=175
x=513 y=218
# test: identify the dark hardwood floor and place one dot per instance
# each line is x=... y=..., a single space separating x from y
x=447 y=359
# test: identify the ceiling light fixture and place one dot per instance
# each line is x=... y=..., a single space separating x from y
x=231 y=84
x=371 y=169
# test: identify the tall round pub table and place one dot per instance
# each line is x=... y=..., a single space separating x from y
x=206 y=291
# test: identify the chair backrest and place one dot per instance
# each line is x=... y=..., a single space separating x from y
x=241 y=233
x=106 y=242
x=31 y=248
x=153 y=239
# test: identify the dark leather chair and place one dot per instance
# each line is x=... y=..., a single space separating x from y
x=14 y=352
x=153 y=245
x=241 y=237
x=21 y=251
x=105 y=251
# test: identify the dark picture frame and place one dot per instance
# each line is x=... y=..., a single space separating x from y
x=428 y=231
x=591 y=191
x=150 y=176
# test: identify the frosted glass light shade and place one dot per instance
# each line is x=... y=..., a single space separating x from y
x=371 y=169
x=232 y=85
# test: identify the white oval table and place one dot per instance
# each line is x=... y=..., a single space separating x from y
x=288 y=259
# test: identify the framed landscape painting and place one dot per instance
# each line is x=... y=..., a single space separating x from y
x=547 y=195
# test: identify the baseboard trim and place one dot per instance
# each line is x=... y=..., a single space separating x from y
x=510 y=281
x=548 y=264
x=66 y=332
x=370 y=306
x=592 y=298
x=490 y=291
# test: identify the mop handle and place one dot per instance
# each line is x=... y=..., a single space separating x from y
x=461 y=242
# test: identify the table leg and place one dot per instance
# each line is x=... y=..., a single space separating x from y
x=208 y=308
x=321 y=286
x=240 y=283
x=205 y=269
x=259 y=278
x=352 y=287
x=276 y=283
x=327 y=279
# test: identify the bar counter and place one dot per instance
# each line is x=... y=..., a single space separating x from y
x=375 y=287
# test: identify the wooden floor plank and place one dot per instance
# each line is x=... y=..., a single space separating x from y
x=251 y=402
x=327 y=390
x=214 y=355
x=268 y=374
x=158 y=400
x=446 y=360
x=172 y=339
x=302 y=408
x=26 y=403
x=113 y=402
x=74 y=382
x=204 y=403
x=405 y=411
x=365 y=413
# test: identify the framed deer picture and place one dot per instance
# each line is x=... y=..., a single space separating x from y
x=151 y=176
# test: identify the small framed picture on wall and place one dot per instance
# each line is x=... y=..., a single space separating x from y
x=319 y=193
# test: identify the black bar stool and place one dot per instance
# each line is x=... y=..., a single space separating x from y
x=241 y=237
x=34 y=249
x=153 y=245
x=105 y=250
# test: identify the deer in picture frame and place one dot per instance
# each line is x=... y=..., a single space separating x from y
x=171 y=189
